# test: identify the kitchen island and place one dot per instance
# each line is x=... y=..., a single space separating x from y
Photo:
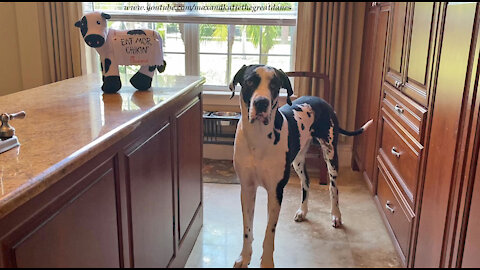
x=103 y=180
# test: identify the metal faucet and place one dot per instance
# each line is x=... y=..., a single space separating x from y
x=6 y=130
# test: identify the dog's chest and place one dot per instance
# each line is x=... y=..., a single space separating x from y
x=261 y=158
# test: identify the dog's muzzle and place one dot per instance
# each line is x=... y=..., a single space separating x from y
x=261 y=105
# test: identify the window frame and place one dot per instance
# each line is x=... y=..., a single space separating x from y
x=192 y=20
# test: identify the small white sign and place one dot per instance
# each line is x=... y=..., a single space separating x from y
x=137 y=50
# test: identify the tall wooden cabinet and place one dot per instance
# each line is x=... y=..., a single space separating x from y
x=368 y=102
x=425 y=144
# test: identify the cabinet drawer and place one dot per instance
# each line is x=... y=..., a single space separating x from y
x=409 y=114
x=401 y=155
x=392 y=203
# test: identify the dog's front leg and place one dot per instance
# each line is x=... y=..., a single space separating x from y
x=269 y=241
x=248 y=195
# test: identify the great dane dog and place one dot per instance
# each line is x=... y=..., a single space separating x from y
x=269 y=139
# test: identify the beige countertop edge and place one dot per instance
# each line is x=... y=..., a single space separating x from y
x=53 y=174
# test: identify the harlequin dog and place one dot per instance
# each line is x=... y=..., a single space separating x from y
x=269 y=139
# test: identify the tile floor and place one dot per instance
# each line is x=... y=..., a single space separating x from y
x=362 y=241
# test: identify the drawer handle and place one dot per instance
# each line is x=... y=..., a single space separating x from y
x=395 y=152
x=399 y=84
x=374 y=4
x=389 y=207
x=399 y=108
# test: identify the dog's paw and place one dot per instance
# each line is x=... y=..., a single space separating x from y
x=300 y=215
x=241 y=262
x=336 y=221
x=267 y=263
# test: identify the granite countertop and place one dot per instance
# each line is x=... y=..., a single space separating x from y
x=68 y=123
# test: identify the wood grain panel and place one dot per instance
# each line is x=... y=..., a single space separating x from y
x=189 y=143
x=149 y=171
x=81 y=234
x=394 y=207
x=444 y=130
x=406 y=164
x=471 y=253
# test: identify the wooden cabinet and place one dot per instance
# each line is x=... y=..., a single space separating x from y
x=82 y=233
x=427 y=142
x=138 y=203
x=396 y=53
x=149 y=177
x=445 y=147
x=412 y=44
x=370 y=83
x=189 y=143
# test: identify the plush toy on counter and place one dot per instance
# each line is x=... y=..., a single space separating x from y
x=130 y=47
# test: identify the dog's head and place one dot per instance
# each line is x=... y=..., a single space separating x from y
x=260 y=89
x=94 y=28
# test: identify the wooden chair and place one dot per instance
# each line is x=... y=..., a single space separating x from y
x=314 y=160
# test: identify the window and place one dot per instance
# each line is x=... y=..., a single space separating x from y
x=211 y=39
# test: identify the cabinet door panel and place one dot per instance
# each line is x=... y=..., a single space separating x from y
x=471 y=258
x=151 y=191
x=423 y=28
x=420 y=41
x=189 y=143
x=84 y=233
x=364 y=85
x=444 y=133
x=395 y=63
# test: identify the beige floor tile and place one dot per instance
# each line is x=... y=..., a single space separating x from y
x=362 y=241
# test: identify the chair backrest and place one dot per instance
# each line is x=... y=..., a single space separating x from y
x=327 y=96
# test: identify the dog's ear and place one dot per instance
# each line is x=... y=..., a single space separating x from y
x=106 y=16
x=78 y=24
x=236 y=79
x=286 y=84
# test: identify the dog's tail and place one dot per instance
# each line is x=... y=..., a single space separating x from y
x=356 y=132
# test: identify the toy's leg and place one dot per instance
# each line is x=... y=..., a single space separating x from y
x=142 y=80
x=111 y=78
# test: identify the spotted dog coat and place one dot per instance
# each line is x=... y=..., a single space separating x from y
x=94 y=30
x=269 y=139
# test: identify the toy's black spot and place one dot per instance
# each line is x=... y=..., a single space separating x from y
x=308 y=113
x=269 y=135
x=303 y=127
x=246 y=236
x=108 y=62
x=136 y=32
x=152 y=68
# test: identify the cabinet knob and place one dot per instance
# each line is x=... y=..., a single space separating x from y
x=398 y=108
x=395 y=152
x=374 y=4
x=389 y=207
x=399 y=84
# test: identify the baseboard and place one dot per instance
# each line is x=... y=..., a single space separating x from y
x=225 y=152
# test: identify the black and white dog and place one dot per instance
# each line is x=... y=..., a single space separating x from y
x=269 y=139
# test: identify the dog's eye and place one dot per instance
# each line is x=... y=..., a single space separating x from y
x=249 y=83
x=98 y=22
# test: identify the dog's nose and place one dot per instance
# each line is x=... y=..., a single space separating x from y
x=261 y=104
x=94 y=40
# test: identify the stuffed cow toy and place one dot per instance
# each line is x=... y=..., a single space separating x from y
x=134 y=47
